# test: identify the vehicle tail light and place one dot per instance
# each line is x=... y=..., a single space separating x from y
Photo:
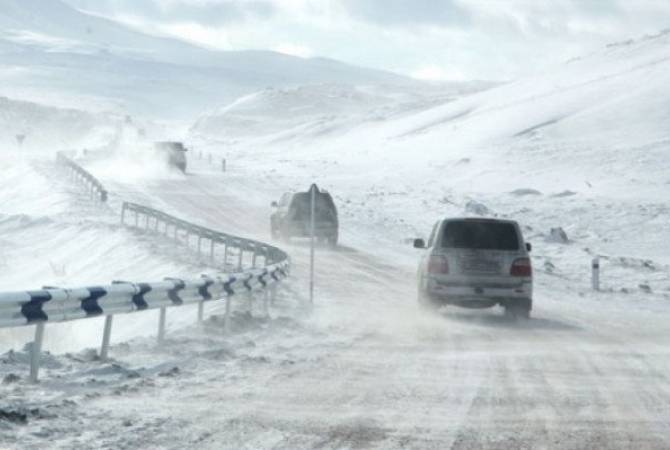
x=521 y=267
x=438 y=264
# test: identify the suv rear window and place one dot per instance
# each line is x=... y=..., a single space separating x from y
x=325 y=208
x=480 y=235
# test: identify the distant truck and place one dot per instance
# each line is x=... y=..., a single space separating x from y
x=175 y=152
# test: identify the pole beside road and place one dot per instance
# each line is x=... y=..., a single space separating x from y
x=313 y=190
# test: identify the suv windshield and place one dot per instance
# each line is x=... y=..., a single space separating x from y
x=480 y=235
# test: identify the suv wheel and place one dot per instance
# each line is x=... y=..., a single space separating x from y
x=517 y=312
x=425 y=302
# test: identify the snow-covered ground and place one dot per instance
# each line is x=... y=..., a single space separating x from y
x=46 y=128
x=583 y=148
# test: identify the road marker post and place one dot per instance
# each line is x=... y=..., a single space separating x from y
x=313 y=191
x=595 y=273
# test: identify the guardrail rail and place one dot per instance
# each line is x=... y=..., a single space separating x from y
x=234 y=247
x=95 y=187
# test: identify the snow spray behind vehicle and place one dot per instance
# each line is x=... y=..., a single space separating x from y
x=175 y=151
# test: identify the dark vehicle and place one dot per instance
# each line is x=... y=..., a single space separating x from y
x=476 y=263
x=292 y=217
x=175 y=152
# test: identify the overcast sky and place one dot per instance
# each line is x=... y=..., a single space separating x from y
x=433 y=39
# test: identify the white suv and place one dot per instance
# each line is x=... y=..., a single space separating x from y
x=476 y=263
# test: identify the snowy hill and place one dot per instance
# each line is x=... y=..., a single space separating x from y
x=587 y=141
x=49 y=129
x=319 y=109
x=50 y=50
x=47 y=23
x=612 y=105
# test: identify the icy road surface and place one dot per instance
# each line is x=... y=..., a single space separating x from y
x=366 y=369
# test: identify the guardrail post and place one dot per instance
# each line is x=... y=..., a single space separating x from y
x=146 y=222
x=239 y=259
x=106 y=336
x=201 y=311
x=199 y=244
x=253 y=259
x=226 y=318
x=266 y=309
x=225 y=254
x=35 y=352
x=250 y=301
x=161 y=324
x=266 y=258
x=211 y=250
x=137 y=219
x=273 y=293
x=595 y=273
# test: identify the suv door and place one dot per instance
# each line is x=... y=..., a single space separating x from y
x=423 y=262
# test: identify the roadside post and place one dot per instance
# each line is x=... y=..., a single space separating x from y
x=313 y=190
x=595 y=273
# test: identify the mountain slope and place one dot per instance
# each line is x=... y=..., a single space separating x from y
x=584 y=147
x=322 y=108
x=612 y=105
x=35 y=21
x=48 y=49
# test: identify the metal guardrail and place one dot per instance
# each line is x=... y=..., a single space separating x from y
x=95 y=187
x=263 y=268
x=62 y=305
x=234 y=247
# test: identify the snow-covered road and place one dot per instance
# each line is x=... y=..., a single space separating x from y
x=366 y=369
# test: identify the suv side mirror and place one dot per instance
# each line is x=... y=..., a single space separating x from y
x=419 y=243
x=274 y=204
x=529 y=247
